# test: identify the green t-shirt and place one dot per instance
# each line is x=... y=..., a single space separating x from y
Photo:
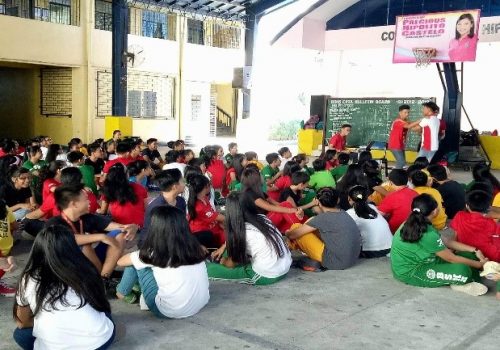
x=321 y=179
x=406 y=256
x=88 y=177
x=339 y=171
x=269 y=172
x=34 y=167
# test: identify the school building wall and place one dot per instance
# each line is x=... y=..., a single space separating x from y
x=87 y=51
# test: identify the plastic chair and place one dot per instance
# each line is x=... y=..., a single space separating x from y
x=379 y=146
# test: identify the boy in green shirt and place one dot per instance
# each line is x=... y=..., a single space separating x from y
x=340 y=169
x=76 y=158
x=321 y=177
x=271 y=173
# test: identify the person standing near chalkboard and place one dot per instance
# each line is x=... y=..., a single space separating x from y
x=398 y=135
x=429 y=126
x=339 y=140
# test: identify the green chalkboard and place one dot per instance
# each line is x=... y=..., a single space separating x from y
x=371 y=118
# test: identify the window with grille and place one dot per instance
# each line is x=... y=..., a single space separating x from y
x=195 y=31
x=225 y=37
x=154 y=24
x=103 y=15
x=56 y=91
x=56 y=11
x=149 y=95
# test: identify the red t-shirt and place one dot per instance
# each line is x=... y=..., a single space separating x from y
x=110 y=163
x=130 y=213
x=49 y=207
x=218 y=171
x=282 y=183
x=206 y=217
x=397 y=137
x=93 y=205
x=225 y=190
x=47 y=186
x=478 y=231
x=338 y=142
x=397 y=205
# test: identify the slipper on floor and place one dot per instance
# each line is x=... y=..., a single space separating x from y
x=308 y=264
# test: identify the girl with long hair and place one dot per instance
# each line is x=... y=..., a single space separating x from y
x=55 y=152
x=233 y=175
x=302 y=160
x=420 y=258
x=330 y=159
x=170 y=268
x=202 y=216
x=376 y=236
x=17 y=193
x=215 y=166
x=256 y=253
x=60 y=301
x=481 y=172
x=353 y=176
x=285 y=180
x=125 y=200
x=463 y=46
x=50 y=177
x=283 y=215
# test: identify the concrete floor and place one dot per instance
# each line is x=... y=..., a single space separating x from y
x=360 y=308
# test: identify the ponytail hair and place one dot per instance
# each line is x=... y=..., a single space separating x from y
x=417 y=223
x=359 y=195
x=196 y=184
x=3 y=209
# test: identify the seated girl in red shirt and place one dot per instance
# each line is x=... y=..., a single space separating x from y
x=330 y=159
x=285 y=180
x=233 y=174
x=216 y=166
x=125 y=200
x=51 y=177
x=202 y=216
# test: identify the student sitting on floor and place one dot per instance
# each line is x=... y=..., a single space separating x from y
x=285 y=180
x=124 y=200
x=302 y=160
x=419 y=257
x=452 y=192
x=421 y=184
x=285 y=156
x=77 y=159
x=293 y=193
x=321 y=177
x=376 y=237
x=473 y=227
x=353 y=176
x=340 y=169
x=15 y=190
x=271 y=173
x=202 y=216
x=482 y=173
x=216 y=167
x=233 y=150
x=89 y=229
x=256 y=253
x=60 y=300
x=330 y=158
x=282 y=215
x=170 y=268
x=233 y=174
x=396 y=206
x=51 y=177
x=139 y=172
x=330 y=238
x=253 y=158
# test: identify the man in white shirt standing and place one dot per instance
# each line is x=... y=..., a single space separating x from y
x=429 y=128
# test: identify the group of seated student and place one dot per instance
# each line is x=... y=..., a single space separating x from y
x=220 y=217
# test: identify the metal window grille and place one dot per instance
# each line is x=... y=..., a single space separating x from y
x=56 y=11
x=154 y=24
x=150 y=96
x=103 y=15
x=56 y=91
x=195 y=31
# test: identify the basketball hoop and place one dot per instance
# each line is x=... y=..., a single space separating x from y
x=424 y=55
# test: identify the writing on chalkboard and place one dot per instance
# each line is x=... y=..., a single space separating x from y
x=371 y=118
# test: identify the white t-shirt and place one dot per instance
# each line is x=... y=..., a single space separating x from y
x=430 y=133
x=265 y=261
x=283 y=162
x=375 y=233
x=44 y=150
x=175 y=165
x=182 y=291
x=68 y=327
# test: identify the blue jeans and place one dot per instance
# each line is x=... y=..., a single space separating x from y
x=400 y=158
x=427 y=154
x=102 y=248
x=19 y=214
x=25 y=339
x=149 y=287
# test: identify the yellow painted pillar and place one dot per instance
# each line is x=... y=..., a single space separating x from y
x=112 y=123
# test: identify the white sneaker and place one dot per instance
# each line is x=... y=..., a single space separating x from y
x=142 y=303
x=474 y=288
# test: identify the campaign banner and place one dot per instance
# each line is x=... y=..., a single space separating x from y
x=454 y=35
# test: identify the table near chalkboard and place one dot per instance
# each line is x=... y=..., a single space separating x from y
x=371 y=118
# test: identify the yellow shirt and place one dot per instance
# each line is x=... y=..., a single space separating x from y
x=256 y=162
x=6 y=240
x=439 y=222
x=496 y=201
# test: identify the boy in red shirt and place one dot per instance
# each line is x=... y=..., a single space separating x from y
x=398 y=133
x=396 y=206
x=474 y=228
x=123 y=156
x=338 y=141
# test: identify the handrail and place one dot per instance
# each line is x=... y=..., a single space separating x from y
x=225 y=118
